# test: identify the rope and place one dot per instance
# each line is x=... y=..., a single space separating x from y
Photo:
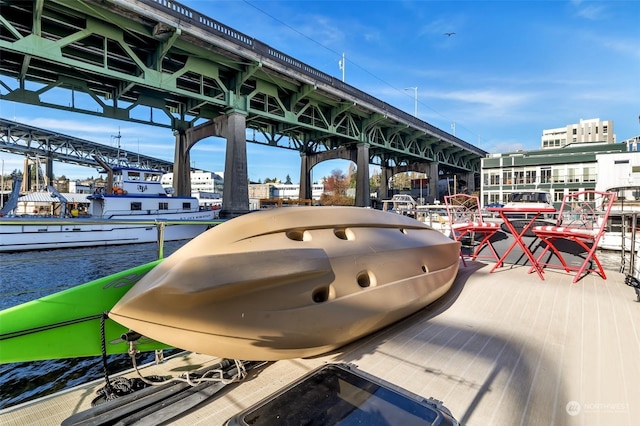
x=121 y=386
x=108 y=391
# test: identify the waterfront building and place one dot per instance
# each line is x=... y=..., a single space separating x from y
x=592 y=130
x=559 y=171
x=282 y=190
x=201 y=182
x=618 y=170
x=633 y=144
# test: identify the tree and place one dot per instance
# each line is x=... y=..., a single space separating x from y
x=374 y=181
x=402 y=181
x=352 y=175
x=288 y=180
x=335 y=190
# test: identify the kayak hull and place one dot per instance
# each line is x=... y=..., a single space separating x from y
x=291 y=282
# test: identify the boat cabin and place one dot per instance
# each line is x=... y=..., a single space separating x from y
x=533 y=197
x=400 y=203
x=133 y=181
x=627 y=198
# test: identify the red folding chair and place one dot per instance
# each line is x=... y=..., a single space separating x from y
x=581 y=219
x=466 y=221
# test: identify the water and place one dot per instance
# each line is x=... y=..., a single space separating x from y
x=30 y=275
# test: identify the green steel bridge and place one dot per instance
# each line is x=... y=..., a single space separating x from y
x=161 y=63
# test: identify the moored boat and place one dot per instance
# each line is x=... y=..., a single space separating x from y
x=620 y=224
x=128 y=210
x=291 y=282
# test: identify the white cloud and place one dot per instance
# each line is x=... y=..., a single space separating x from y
x=591 y=12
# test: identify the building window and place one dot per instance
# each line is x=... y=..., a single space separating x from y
x=530 y=176
x=589 y=174
x=507 y=178
x=494 y=178
x=545 y=175
x=557 y=175
x=573 y=175
x=558 y=196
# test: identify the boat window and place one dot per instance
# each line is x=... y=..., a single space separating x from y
x=134 y=175
x=340 y=394
x=136 y=205
x=163 y=206
x=186 y=206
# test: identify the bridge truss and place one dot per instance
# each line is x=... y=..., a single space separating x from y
x=160 y=63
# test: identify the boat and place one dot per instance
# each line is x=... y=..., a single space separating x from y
x=530 y=199
x=132 y=208
x=290 y=282
x=620 y=225
x=434 y=215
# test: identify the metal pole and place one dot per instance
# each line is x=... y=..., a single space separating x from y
x=634 y=224
x=2 y=185
x=415 y=100
x=160 y=227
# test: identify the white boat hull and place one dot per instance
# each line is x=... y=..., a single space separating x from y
x=22 y=234
x=291 y=282
x=127 y=213
x=613 y=241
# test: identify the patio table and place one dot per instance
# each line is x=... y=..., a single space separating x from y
x=530 y=212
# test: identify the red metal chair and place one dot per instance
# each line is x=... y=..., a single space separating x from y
x=581 y=219
x=466 y=220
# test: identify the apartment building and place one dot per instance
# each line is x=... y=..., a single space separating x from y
x=592 y=130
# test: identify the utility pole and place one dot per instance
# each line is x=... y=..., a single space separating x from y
x=415 y=100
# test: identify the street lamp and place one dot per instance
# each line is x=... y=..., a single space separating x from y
x=343 y=66
x=415 y=100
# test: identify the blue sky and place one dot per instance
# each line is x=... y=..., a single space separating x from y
x=512 y=69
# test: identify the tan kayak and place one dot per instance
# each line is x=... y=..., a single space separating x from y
x=291 y=282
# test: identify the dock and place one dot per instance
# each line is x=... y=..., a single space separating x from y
x=502 y=348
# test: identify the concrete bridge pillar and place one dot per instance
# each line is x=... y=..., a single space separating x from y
x=232 y=127
x=385 y=174
x=49 y=169
x=434 y=176
x=181 y=164
x=305 y=191
x=363 y=192
x=235 y=199
x=470 y=177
